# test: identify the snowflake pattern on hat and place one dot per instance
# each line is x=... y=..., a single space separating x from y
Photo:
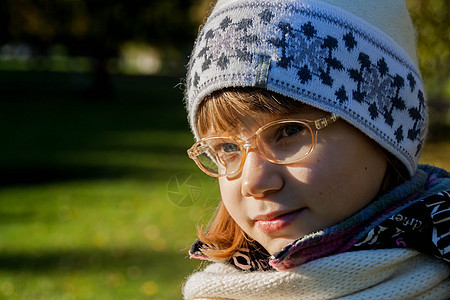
x=332 y=61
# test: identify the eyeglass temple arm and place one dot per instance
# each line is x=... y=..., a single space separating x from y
x=324 y=122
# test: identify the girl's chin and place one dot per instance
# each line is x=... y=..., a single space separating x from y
x=276 y=245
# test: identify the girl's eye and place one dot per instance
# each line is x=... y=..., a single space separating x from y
x=229 y=147
x=290 y=130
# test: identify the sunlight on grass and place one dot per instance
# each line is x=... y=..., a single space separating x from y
x=96 y=240
x=113 y=212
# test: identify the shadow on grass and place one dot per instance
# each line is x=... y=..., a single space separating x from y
x=90 y=259
x=16 y=217
x=19 y=176
x=51 y=130
x=22 y=176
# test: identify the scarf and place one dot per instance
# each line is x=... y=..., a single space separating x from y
x=366 y=274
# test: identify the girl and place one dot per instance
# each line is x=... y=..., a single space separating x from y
x=312 y=115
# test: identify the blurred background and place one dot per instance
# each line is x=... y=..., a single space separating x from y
x=98 y=199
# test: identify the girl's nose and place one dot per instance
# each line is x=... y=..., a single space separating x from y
x=259 y=176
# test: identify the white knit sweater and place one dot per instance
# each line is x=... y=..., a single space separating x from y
x=372 y=274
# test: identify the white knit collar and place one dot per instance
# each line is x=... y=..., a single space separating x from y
x=379 y=274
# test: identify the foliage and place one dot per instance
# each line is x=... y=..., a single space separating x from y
x=98 y=28
x=431 y=19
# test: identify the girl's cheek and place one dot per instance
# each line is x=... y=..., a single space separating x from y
x=230 y=190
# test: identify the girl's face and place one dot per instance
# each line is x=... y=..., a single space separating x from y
x=277 y=204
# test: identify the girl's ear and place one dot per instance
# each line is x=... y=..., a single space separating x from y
x=396 y=174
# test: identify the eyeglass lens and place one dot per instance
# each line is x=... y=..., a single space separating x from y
x=284 y=142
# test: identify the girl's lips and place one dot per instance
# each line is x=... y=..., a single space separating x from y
x=269 y=224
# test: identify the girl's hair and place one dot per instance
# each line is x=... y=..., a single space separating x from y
x=221 y=109
x=218 y=112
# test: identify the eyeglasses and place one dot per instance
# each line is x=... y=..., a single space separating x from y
x=281 y=142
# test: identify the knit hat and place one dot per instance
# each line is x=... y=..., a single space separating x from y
x=354 y=58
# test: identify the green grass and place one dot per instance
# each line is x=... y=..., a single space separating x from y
x=89 y=203
x=95 y=239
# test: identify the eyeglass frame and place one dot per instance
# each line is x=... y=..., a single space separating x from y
x=250 y=142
